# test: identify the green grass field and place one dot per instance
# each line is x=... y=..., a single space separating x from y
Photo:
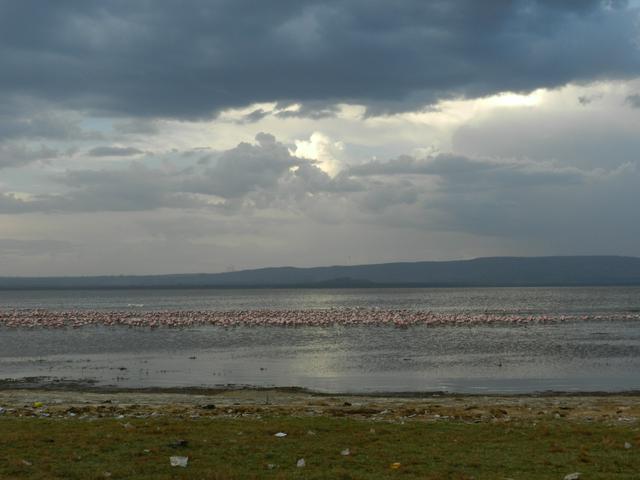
x=223 y=448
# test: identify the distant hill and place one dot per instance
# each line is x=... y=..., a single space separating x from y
x=493 y=271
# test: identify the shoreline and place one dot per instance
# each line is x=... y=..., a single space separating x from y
x=256 y=403
x=47 y=384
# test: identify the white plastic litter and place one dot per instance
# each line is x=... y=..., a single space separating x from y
x=178 y=461
x=572 y=476
x=346 y=452
x=627 y=445
x=280 y=435
x=301 y=463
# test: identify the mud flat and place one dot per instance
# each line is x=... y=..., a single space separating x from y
x=247 y=402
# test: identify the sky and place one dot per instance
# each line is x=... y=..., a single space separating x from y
x=175 y=136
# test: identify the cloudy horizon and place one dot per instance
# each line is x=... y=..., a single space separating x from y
x=204 y=136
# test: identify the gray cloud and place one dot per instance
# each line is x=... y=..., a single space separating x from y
x=136 y=188
x=477 y=173
x=255 y=116
x=12 y=204
x=133 y=189
x=588 y=99
x=17 y=155
x=263 y=173
x=313 y=110
x=574 y=215
x=604 y=139
x=168 y=59
x=11 y=246
x=138 y=126
x=634 y=100
x=310 y=178
x=562 y=209
x=245 y=168
x=381 y=197
x=106 y=151
x=509 y=199
x=27 y=121
x=310 y=109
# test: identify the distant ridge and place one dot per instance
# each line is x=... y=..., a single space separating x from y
x=481 y=272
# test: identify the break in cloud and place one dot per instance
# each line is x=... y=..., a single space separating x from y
x=186 y=136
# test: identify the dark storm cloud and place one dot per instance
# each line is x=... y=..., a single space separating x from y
x=191 y=59
x=114 y=151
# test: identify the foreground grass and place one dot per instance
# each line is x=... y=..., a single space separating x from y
x=224 y=448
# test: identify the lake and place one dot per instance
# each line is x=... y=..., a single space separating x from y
x=588 y=355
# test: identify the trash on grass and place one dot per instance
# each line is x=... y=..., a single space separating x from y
x=280 y=435
x=178 y=461
x=301 y=463
x=395 y=465
x=572 y=476
x=627 y=445
x=346 y=452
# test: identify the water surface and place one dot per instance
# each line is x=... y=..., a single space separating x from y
x=570 y=356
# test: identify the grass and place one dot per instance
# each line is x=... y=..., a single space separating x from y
x=242 y=448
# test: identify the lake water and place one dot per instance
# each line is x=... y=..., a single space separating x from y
x=570 y=356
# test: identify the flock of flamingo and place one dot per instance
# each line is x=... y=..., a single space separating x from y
x=41 y=318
